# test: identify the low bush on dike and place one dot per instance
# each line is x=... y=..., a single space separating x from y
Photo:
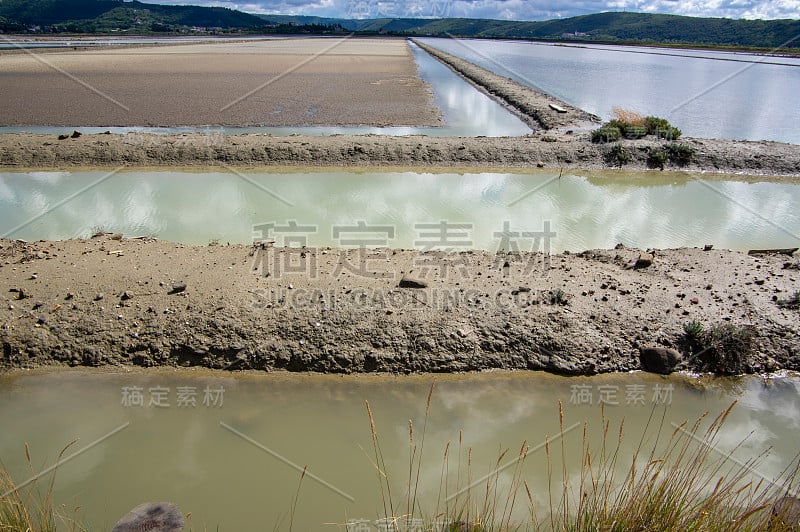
x=724 y=348
x=631 y=125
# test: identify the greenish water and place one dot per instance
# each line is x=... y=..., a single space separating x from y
x=579 y=210
x=234 y=460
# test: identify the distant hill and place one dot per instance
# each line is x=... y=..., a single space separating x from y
x=116 y=15
x=91 y=16
x=600 y=27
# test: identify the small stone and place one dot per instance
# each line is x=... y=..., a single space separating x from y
x=694 y=301
x=42 y=320
x=177 y=288
x=659 y=359
x=116 y=236
x=126 y=296
x=412 y=282
x=37 y=305
x=63 y=137
x=34 y=276
x=154 y=516
x=644 y=260
x=708 y=247
x=69 y=296
x=98 y=296
x=76 y=134
x=540 y=164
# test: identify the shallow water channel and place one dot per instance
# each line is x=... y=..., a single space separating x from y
x=230 y=448
x=580 y=210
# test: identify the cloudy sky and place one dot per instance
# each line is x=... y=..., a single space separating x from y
x=507 y=9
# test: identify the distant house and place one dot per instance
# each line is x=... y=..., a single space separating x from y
x=575 y=34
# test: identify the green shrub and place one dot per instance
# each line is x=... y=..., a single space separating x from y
x=671 y=133
x=726 y=349
x=655 y=124
x=558 y=297
x=693 y=329
x=634 y=132
x=657 y=158
x=618 y=155
x=680 y=153
x=606 y=133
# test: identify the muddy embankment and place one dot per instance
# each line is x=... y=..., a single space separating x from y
x=112 y=301
x=550 y=150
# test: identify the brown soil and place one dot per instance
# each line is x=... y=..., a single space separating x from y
x=288 y=82
x=136 y=302
x=551 y=150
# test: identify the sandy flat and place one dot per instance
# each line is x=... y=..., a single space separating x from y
x=316 y=81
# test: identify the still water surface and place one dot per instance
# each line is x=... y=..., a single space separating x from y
x=585 y=210
x=706 y=94
x=233 y=463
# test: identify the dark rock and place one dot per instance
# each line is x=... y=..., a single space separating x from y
x=708 y=247
x=153 y=517
x=659 y=359
x=412 y=282
x=37 y=305
x=76 y=134
x=177 y=288
x=126 y=296
x=644 y=260
x=63 y=137
x=98 y=296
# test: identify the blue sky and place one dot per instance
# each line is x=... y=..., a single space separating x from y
x=507 y=9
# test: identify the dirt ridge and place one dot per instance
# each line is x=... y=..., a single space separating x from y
x=139 y=302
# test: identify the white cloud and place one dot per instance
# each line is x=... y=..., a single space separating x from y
x=519 y=9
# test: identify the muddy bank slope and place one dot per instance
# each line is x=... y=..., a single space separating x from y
x=553 y=150
x=108 y=301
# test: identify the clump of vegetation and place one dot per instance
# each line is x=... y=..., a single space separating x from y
x=26 y=508
x=661 y=128
x=680 y=154
x=792 y=303
x=657 y=157
x=693 y=329
x=725 y=349
x=632 y=125
x=558 y=297
x=679 y=481
x=606 y=133
x=634 y=132
x=618 y=155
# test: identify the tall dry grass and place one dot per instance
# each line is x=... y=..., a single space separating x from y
x=676 y=479
x=29 y=507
